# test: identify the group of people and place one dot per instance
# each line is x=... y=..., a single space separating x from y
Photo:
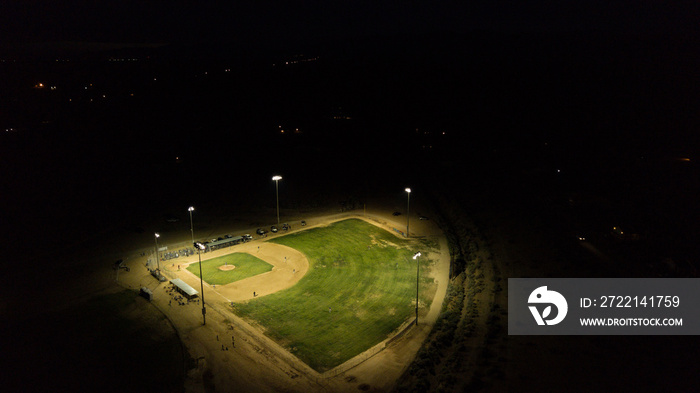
x=233 y=341
x=181 y=300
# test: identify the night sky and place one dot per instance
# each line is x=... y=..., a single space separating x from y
x=297 y=22
x=597 y=80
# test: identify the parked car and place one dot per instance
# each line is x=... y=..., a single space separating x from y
x=395 y=214
x=247 y=238
x=423 y=218
x=273 y=229
x=303 y=223
x=228 y=236
x=260 y=231
x=285 y=226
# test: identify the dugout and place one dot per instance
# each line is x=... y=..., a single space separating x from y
x=184 y=288
x=223 y=243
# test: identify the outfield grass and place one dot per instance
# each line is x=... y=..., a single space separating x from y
x=246 y=266
x=370 y=292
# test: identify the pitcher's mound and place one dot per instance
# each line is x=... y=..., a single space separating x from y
x=227 y=267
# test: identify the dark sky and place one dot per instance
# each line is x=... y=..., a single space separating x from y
x=170 y=21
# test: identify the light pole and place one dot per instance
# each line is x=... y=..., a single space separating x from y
x=277 y=193
x=157 y=257
x=415 y=257
x=408 y=204
x=191 y=209
x=199 y=246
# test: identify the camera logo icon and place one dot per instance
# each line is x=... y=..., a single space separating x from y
x=542 y=296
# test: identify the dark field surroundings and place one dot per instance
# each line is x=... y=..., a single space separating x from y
x=517 y=145
x=109 y=343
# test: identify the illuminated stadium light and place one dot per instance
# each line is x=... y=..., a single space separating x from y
x=276 y=179
x=200 y=247
x=415 y=257
x=408 y=204
x=157 y=235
